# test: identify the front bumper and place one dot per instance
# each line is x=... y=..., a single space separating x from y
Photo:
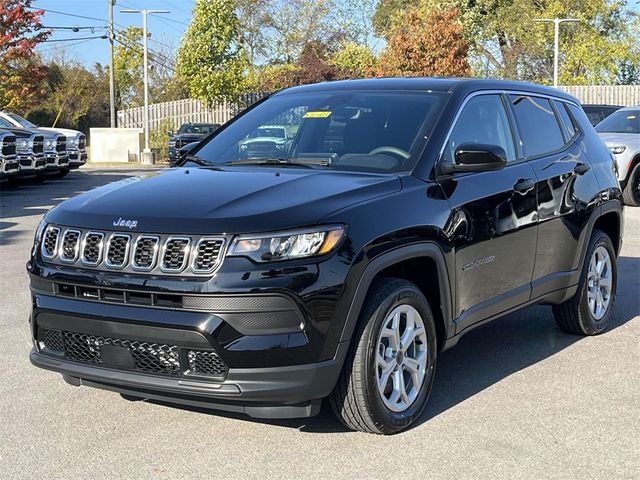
x=31 y=165
x=55 y=162
x=8 y=167
x=77 y=158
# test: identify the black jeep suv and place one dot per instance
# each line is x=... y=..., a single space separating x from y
x=403 y=214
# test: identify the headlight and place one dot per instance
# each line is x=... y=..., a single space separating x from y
x=49 y=143
x=617 y=149
x=73 y=142
x=22 y=144
x=243 y=146
x=288 y=245
x=172 y=144
x=38 y=236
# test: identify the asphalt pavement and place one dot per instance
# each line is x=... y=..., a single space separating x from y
x=515 y=399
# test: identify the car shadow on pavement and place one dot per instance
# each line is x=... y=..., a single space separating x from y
x=487 y=355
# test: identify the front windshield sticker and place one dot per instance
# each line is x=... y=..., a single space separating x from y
x=323 y=114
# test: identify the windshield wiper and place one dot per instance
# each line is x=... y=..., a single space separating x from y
x=277 y=161
x=195 y=159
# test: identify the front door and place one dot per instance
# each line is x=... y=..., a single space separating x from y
x=493 y=227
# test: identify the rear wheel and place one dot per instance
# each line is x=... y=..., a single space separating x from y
x=631 y=193
x=590 y=310
x=389 y=369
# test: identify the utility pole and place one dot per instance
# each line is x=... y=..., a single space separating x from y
x=556 y=40
x=112 y=82
x=146 y=153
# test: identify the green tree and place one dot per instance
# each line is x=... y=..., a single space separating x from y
x=128 y=66
x=211 y=61
x=22 y=76
x=354 y=61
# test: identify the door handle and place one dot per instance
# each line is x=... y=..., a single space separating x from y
x=581 y=168
x=524 y=186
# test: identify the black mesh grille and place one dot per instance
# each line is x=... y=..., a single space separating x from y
x=176 y=253
x=51 y=340
x=61 y=144
x=203 y=362
x=9 y=145
x=92 y=250
x=147 y=357
x=207 y=254
x=118 y=249
x=82 y=142
x=70 y=245
x=145 y=254
x=50 y=241
x=38 y=144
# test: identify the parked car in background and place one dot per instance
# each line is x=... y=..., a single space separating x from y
x=188 y=133
x=621 y=132
x=29 y=150
x=405 y=213
x=184 y=150
x=75 y=144
x=9 y=165
x=54 y=148
x=596 y=112
x=268 y=141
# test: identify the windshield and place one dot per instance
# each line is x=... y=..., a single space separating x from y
x=622 y=121
x=6 y=124
x=197 y=128
x=22 y=121
x=361 y=131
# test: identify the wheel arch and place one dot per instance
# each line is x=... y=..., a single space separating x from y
x=407 y=262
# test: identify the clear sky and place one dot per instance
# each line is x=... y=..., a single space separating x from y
x=166 y=29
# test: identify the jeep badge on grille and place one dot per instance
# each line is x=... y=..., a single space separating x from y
x=121 y=222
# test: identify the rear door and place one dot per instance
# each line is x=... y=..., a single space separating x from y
x=564 y=185
x=494 y=212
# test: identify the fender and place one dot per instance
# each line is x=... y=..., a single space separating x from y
x=425 y=249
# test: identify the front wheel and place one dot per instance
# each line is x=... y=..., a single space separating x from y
x=388 y=373
x=590 y=310
x=631 y=193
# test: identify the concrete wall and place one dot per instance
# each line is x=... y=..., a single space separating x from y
x=115 y=144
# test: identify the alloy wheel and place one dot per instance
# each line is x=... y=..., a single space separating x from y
x=599 y=282
x=401 y=358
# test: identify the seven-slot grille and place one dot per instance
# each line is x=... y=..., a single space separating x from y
x=130 y=253
x=147 y=357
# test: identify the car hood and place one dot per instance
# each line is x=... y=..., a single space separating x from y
x=222 y=200
x=263 y=139
x=611 y=138
x=188 y=137
x=67 y=132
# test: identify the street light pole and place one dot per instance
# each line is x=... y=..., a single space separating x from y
x=112 y=87
x=556 y=41
x=146 y=153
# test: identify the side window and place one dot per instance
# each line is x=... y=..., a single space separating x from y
x=570 y=127
x=482 y=120
x=537 y=124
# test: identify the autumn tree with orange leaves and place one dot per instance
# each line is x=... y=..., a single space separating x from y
x=426 y=43
x=21 y=73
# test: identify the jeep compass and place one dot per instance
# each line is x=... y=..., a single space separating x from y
x=402 y=214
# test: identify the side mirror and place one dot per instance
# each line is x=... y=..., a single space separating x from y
x=477 y=157
x=170 y=133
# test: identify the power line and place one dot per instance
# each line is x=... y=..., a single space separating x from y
x=170 y=20
x=67 y=14
x=104 y=37
x=43 y=50
x=75 y=28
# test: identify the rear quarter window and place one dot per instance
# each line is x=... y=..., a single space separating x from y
x=540 y=132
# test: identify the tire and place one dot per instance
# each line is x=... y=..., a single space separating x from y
x=631 y=193
x=356 y=399
x=576 y=316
